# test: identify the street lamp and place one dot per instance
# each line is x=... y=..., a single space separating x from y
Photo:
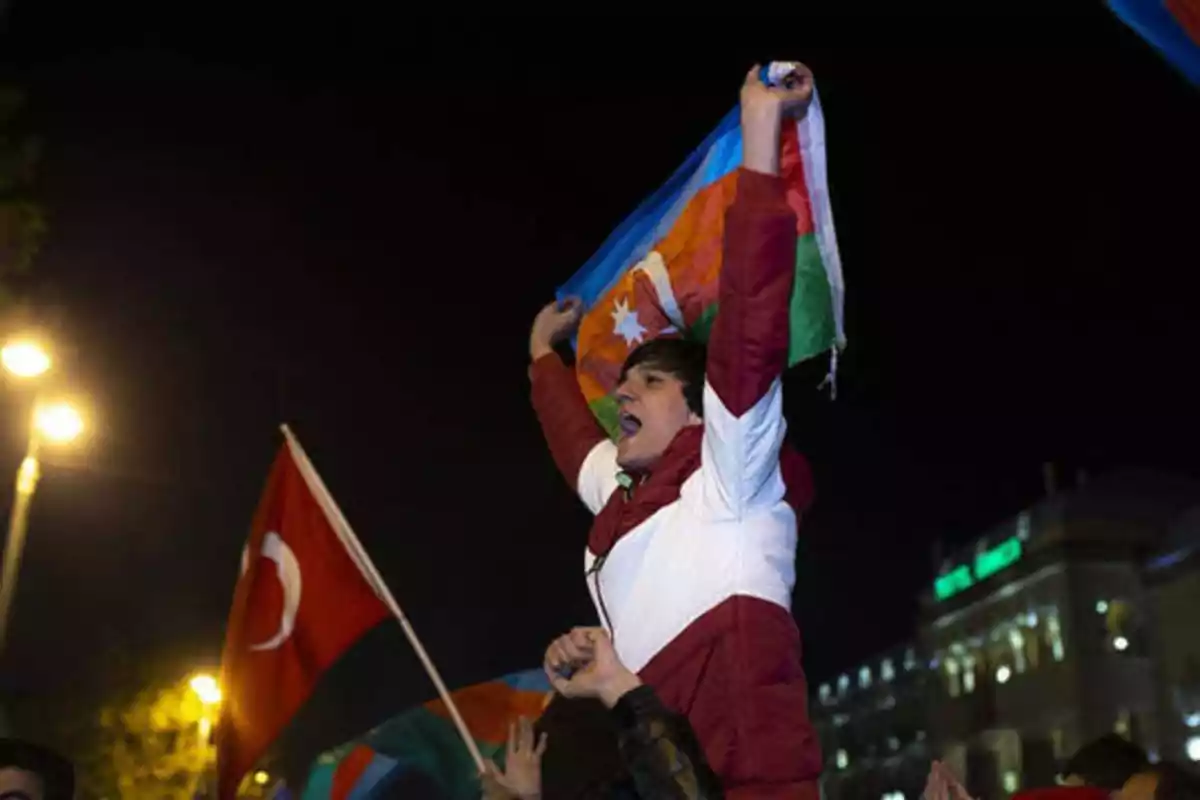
x=56 y=423
x=206 y=688
x=25 y=358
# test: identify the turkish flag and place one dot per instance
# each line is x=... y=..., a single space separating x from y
x=300 y=603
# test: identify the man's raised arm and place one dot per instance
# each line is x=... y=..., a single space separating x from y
x=584 y=455
x=748 y=347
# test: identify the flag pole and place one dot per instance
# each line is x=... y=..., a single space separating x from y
x=348 y=538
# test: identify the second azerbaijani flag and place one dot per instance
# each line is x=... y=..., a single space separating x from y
x=657 y=272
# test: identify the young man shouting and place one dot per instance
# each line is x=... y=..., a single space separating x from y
x=691 y=558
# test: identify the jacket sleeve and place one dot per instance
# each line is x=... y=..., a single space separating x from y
x=584 y=455
x=747 y=351
x=660 y=751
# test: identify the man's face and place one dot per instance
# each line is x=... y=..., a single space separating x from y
x=17 y=784
x=653 y=411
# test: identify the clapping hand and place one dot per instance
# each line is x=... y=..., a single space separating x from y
x=943 y=785
x=522 y=775
x=583 y=663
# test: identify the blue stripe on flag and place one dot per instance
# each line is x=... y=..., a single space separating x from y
x=531 y=680
x=1158 y=26
x=718 y=155
x=379 y=768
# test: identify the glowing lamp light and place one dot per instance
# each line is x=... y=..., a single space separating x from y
x=207 y=689
x=1003 y=673
x=25 y=359
x=59 y=422
x=1121 y=644
x=261 y=778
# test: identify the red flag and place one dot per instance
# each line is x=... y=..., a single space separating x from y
x=300 y=603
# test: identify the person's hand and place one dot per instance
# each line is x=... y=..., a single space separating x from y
x=553 y=323
x=790 y=98
x=587 y=654
x=763 y=109
x=522 y=775
x=943 y=785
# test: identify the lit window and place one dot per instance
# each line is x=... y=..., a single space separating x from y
x=1023 y=526
x=910 y=659
x=1058 y=743
x=843 y=684
x=825 y=693
x=1193 y=748
x=952 y=674
x=886 y=671
x=1054 y=636
x=1120 y=644
x=843 y=759
x=1101 y=606
x=968 y=674
x=1121 y=726
x=1003 y=673
x=1012 y=781
x=864 y=677
x=1017 y=640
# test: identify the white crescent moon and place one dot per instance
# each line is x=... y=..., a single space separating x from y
x=656 y=270
x=288 y=570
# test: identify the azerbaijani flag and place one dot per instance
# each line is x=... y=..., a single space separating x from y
x=657 y=272
x=422 y=747
x=1172 y=26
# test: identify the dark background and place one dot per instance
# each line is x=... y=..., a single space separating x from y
x=347 y=222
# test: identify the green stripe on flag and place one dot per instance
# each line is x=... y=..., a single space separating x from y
x=810 y=318
x=810 y=314
x=607 y=414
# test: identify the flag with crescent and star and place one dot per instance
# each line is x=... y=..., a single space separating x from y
x=301 y=601
x=656 y=274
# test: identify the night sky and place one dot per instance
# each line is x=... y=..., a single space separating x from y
x=348 y=225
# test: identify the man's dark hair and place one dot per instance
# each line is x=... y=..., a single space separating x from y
x=582 y=758
x=56 y=773
x=683 y=359
x=1176 y=783
x=1108 y=762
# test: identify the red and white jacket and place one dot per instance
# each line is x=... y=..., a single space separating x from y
x=693 y=569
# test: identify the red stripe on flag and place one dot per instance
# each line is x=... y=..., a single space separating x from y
x=1187 y=14
x=349 y=770
x=489 y=709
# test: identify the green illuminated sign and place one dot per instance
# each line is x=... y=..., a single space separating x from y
x=987 y=563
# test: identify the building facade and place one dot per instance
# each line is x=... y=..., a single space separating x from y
x=1079 y=617
x=1173 y=581
x=873 y=727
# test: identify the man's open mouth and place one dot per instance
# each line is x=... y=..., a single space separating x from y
x=629 y=424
